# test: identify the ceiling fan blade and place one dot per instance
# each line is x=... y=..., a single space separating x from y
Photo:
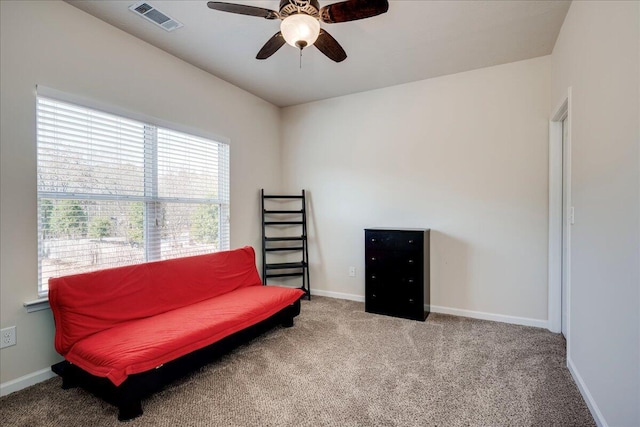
x=330 y=47
x=271 y=46
x=352 y=10
x=243 y=9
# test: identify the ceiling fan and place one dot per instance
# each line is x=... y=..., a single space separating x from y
x=300 y=25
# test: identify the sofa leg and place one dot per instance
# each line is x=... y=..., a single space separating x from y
x=129 y=401
x=69 y=382
x=129 y=410
x=68 y=373
x=288 y=322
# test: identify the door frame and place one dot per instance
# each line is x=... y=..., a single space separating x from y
x=556 y=164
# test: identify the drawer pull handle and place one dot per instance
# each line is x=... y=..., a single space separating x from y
x=373 y=240
x=410 y=261
x=411 y=241
x=411 y=300
x=410 y=280
x=373 y=258
x=373 y=277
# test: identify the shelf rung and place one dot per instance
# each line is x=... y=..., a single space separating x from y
x=284 y=239
x=280 y=196
x=292 y=287
x=283 y=223
x=285 y=265
x=267 y=211
x=292 y=248
x=285 y=275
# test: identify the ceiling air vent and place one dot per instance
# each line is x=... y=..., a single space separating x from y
x=152 y=14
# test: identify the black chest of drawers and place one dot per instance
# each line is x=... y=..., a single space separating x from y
x=397 y=272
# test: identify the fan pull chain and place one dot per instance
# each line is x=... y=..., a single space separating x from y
x=301 y=59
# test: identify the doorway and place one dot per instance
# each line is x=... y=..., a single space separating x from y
x=561 y=218
x=567 y=221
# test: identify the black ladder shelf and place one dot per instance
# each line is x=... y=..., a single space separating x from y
x=287 y=230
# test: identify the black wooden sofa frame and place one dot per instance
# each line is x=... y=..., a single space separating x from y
x=128 y=396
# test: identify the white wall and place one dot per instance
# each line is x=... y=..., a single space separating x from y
x=464 y=155
x=54 y=44
x=597 y=54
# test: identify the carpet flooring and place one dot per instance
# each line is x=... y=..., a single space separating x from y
x=340 y=366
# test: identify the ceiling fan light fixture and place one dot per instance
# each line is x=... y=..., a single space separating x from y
x=300 y=30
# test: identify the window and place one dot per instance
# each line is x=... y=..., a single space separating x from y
x=114 y=191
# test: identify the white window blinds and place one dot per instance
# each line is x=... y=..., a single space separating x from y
x=114 y=191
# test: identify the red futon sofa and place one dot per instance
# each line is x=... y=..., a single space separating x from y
x=125 y=332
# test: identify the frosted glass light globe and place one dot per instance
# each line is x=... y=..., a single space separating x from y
x=300 y=30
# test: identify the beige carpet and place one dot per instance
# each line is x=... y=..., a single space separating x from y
x=340 y=366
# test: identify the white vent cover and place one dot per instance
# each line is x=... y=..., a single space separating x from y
x=152 y=14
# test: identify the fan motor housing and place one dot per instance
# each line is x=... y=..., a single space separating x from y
x=291 y=7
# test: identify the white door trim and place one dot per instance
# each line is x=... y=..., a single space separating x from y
x=560 y=114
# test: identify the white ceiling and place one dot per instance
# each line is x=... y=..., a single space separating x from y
x=414 y=40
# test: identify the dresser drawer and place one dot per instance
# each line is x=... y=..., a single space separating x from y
x=394 y=304
x=410 y=308
x=393 y=240
x=412 y=258
x=394 y=280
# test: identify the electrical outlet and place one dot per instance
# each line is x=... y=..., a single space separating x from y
x=8 y=337
x=352 y=272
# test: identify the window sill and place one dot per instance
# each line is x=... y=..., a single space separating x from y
x=37 y=305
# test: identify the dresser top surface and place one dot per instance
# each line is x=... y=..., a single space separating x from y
x=395 y=229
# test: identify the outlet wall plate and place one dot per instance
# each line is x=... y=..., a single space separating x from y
x=8 y=337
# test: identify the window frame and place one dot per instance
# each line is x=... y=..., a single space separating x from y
x=151 y=234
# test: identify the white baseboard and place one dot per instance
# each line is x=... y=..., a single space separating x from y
x=524 y=321
x=26 y=381
x=337 y=295
x=586 y=395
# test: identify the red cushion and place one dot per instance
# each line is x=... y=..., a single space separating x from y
x=86 y=304
x=140 y=345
